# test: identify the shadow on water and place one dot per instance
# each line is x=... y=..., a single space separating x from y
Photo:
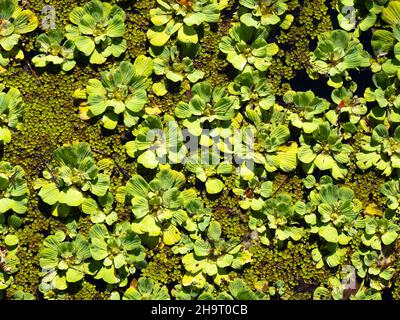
x=320 y=87
x=302 y=82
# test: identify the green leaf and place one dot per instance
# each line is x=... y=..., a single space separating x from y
x=389 y=237
x=108 y=275
x=333 y=260
x=201 y=248
x=73 y=275
x=158 y=39
x=214 y=186
x=49 y=193
x=140 y=207
x=8 y=43
x=72 y=197
x=98 y=249
x=137 y=186
x=148 y=159
x=25 y=21
x=159 y=88
x=60 y=283
x=101 y=185
x=119 y=261
x=116 y=27
x=224 y=261
x=391 y=14
x=329 y=233
x=187 y=34
x=171 y=235
x=306 y=155
x=11 y=240
x=214 y=231
x=210 y=268
x=266 y=189
x=324 y=161
x=85 y=45
x=387 y=274
x=143 y=66
x=238 y=61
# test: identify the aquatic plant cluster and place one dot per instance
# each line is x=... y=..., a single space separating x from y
x=200 y=149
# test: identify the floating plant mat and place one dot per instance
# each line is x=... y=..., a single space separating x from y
x=199 y=149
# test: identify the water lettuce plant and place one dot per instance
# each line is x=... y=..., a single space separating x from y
x=306 y=110
x=324 y=149
x=252 y=192
x=391 y=190
x=258 y=13
x=54 y=50
x=9 y=264
x=375 y=266
x=385 y=96
x=212 y=256
x=146 y=289
x=207 y=104
x=348 y=104
x=338 y=289
x=122 y=90
x=207 y=168
x=157 y=140
x=280 y=219
x=102 y=210
x=172 y=63
x=237 y=290
x=380 y=150
x=337 y=53
x=253 y=89
x=379 y=232
x=248 y=46
x=11 y=112
x=182 y=18
x=14 y=191
x=359 y=15
x=334 y=214
x=116 y=254
x=64 y=262
x=72 y=178
x=15 y=21
x=159 y=206
x=266 y=142
x=97 y=30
